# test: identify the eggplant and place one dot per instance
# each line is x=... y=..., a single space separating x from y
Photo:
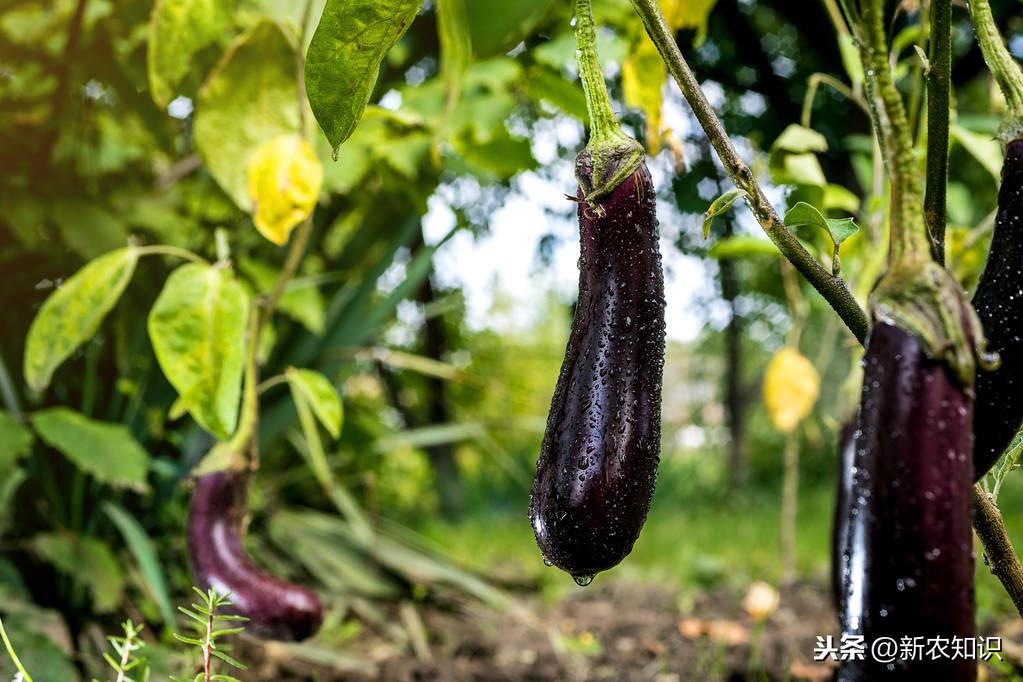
x=276 y=608
x=999 y=303
x=843 y=502
x=598 y=462
x=907 y=564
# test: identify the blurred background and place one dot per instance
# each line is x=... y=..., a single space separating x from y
x=437 y=294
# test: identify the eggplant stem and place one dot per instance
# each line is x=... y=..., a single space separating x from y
x=1003 y=66
x=939 y=102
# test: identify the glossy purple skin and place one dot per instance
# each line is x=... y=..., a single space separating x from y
x=843 y=501
x=277 y=609
x=999 y=303
x=907 y=567
x=598 y=463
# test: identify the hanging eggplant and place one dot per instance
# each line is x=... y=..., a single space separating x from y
x=598 y=462
x=999 y=303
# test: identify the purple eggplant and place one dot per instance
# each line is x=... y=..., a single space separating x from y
x=907 y=564
x=843 y=501
x=999 y=303
x=277 y=609
x=598 y=462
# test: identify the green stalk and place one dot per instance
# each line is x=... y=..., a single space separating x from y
x=615 y=156
x=13 y=654
x=915 y=293
x=939 y=102
x=1006 y=69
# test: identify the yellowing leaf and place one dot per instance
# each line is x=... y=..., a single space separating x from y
x=285 y=178
x=791 y=387
x=643 y=78
x=687 y=14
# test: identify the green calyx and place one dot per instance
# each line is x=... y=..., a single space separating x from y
x=921 y=297
x=611 y=156
x=603 y=166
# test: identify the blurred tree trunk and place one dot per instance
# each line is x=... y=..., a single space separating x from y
x=442 y=456
x=735 y=397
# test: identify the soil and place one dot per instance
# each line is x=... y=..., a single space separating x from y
x=614 y=631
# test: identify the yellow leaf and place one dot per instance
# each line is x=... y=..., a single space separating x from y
x=643 y=77
x=791 y=387
x=285 y=178
x=682 y=14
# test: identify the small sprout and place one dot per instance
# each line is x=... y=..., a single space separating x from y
x=205 y=621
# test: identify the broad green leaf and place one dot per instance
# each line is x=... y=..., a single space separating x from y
x=87 y=561
x=550 y=87
x=344 y=57
x=797 y=140
x=197 y=327
x=643 y=79
x=142 y=548
x=986 y=150
x=742 y=246
x=285 y=178
x=107 y=451
x=720 y=206
x=793 y=160
x=838 y=229
x=321 y=395
x=494 y=32
x=89 y=229
x=15 y=441
x=250 y=98
x=178 y=29
x=838 y=198
x=73 y=313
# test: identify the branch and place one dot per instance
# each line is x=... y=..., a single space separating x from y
x=1000 y=61
x=831 y=287
x=939 y=103
x=987 y=520
x=999 y=554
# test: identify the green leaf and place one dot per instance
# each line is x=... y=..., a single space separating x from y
x=798 y=140
x=107 y=451
x=15 y=442
x=320 y=394
x=720 y=206
x=89 y=229
x=793 y=160
x=495 y=32
x=73 y=313
x=742 y=246
x=344 y=57
x=145 y=555
x=251 y=97
x=197 y=327
x=178 y=30
x=838 y=229
x=986 y=150
x=839 y=198
x=87 y=561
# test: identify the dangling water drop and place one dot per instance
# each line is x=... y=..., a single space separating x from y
x=583 y=580
x=547 y=562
